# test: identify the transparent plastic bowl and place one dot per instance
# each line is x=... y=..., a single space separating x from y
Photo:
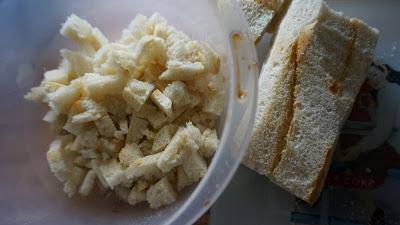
x=30 y=43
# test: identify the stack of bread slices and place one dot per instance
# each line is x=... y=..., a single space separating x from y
x=317 y=63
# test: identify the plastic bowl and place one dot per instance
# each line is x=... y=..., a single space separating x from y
x=30 y=42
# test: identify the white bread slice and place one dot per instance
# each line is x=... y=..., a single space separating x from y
x=331 y=65
x=273 y=104
x=324 y=66
x=260 y=14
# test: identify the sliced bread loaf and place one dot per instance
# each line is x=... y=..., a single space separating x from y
x=333 y=56
x=306 y=90
x=276 y=87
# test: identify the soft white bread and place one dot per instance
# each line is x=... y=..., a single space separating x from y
x=145 y=166
x=137 y=92
x=112 y=172
x=129 y=154
x=162 y=102
x=161 y=193
x=274 y=103
x=195 y=167
x=316 y=67
x=136 y=128
x=163 y=137
x=185 y=141
x=82 y=33
x=259 y=14
x=88 y=182
x=331 y=67
x=105 y=126
x=135 y=196
x=209 y=143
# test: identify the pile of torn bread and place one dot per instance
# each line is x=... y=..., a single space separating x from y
x=135 y=116
x=318 y=61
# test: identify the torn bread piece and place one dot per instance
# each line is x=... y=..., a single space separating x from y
x=149 y=134
x=105 y=126
x=94 y=164
x=129 y=154
x=57 y=75
x=161 y=193
x=137 y=92
x=114 y=59
x=83 y=34
x=115 y=105
x=145 y=166
x=156 y=118
x=96 y=86
x=111 y=146
x=163 y=102
x=214 y=103
x=182 y=179
x=64 y=97
x=209 y=143
x=136 y=128
x=163 y=137
x=178 y=92
x=55 y=120
x=73 y=182
x=136 y=195
x=88 y=182
x=145 y=147
x=79 y=63
x=183 y=71
x=88 y=138
x=112 y=172
x=93 y=111
x=307 y=87
x=185 y=141
x=138 y=28
x=149 y=49
x=58 y=161
x=195 y=167
x=260 y=13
